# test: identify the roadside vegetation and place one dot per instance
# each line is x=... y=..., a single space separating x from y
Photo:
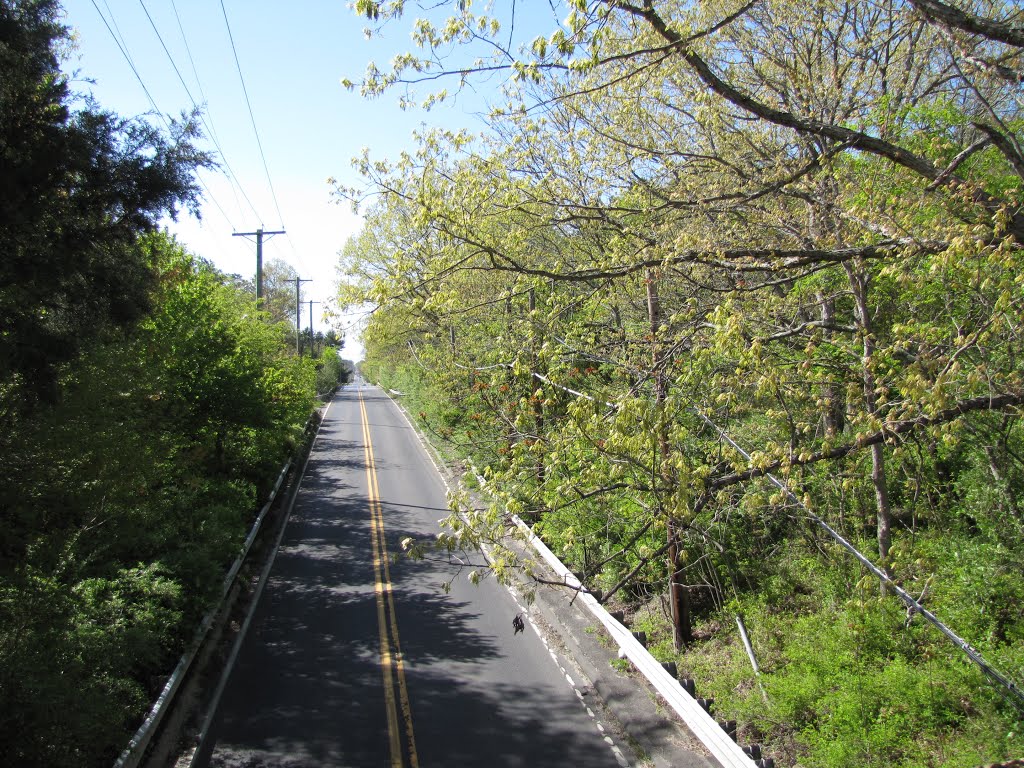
x=146 y=409
x=718 y=276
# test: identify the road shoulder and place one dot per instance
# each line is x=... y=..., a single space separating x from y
x=626 y=702
x=642 y=718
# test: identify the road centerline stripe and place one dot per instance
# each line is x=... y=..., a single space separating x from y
x=385 y=650
x=392 y=663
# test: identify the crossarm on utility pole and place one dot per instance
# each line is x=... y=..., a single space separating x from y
x=259 y=234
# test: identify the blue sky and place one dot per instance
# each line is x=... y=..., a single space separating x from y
x=293 y=57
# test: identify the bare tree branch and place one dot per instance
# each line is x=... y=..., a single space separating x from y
x=1000 y=31
x=891 y=430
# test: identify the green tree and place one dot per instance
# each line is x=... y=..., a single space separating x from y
x=798 y=226
x=78 y=189
x=279 y=291
x=145 y=408
x=125 y=502
x=687 y=171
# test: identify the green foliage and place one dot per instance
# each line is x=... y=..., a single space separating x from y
x=848 y=678
x=126 y=502
x=78 y=189
x=332 y=371
x=77 y=664
x=145 y=408
x=279 y=291
x=694 y=226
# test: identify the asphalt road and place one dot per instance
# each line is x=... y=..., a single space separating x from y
x=355 y=659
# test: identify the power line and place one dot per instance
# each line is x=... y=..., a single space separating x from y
x=207 y=123
x=207 y=117
x=113 y=20
x=236 y=184
x=128 y=58
x=202 y=117
x=252 y=117
x=192 y=62
x=169 y=57
x=122 y=46
x=213 y=199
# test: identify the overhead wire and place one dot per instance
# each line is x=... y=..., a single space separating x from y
x=170 y=58
x=192 y=63
x=202 y=117
x=208 y=124
x=213 y=199
x=122 y=46
x=236 y=184
x=128 y=58
x=296 y=257
x=259 y=143
x=252 y=117
x=119 y=36
x=110 y=23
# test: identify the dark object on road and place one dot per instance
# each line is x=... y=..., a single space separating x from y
x=517 y=624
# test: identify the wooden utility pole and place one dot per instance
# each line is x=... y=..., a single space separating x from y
x=298 y=314
x=312 y=346
x=259 y=234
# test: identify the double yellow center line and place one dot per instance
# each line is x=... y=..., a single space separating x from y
x=387 y=623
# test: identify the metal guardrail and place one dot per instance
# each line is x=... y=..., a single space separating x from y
x=201 y=751
x=134 y=752
x=136 y=749
x=703 y=725
x=707 y=730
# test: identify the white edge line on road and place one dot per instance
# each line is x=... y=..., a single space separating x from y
x=264 y=576
x=427 y=448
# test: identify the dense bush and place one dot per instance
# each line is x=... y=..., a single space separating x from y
x=332 y=371
x=126 y=501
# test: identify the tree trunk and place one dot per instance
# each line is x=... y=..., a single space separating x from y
x=859 y=285
x=538 y=406
x=678 y=596
x=835 y=408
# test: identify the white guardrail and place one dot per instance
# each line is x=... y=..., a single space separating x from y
x=697 y=719
x=703 y=725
